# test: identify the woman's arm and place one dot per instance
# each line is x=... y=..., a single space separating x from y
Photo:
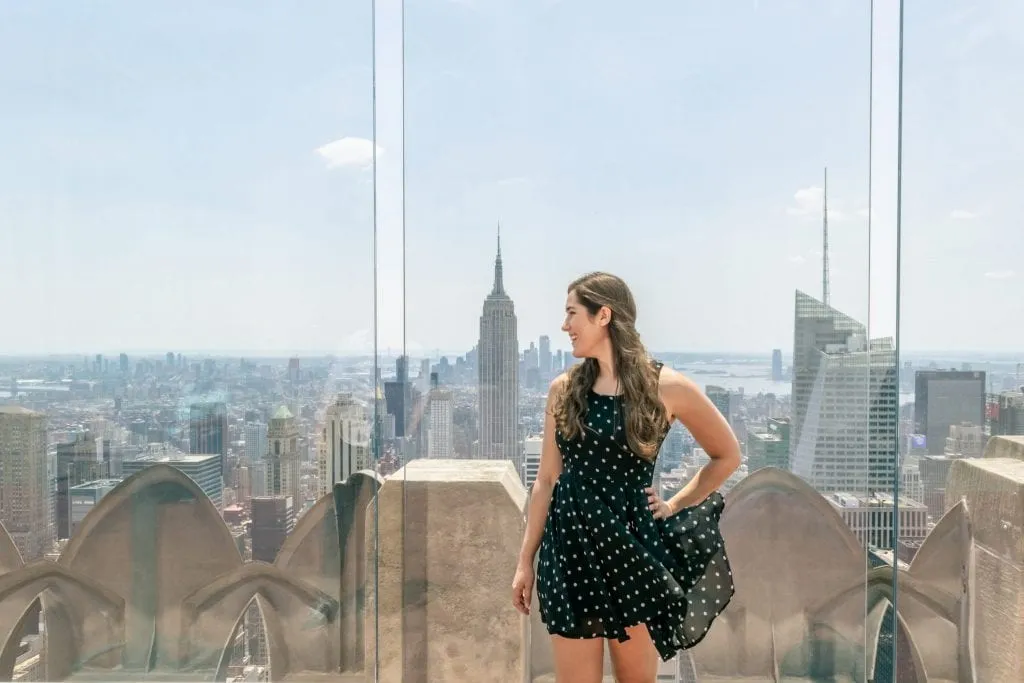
x=688 y=404
x=547 y=475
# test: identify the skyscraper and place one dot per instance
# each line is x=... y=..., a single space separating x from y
x=204 y=469
x=845 y=402
x=25 y=494
x=282 y=461
x=720 y=397
x=777 y=365
x=83 y=460
x=273 y=518
x=440 y=436
x=944 y=399
x=545 y=356
x=347 y=441
x=398 y=396
x=255 y=441
x=498 y=367
x=208 y=430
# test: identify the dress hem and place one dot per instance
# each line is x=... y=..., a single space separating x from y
x=625 y=637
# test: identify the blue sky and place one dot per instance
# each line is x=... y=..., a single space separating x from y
x=196 y=175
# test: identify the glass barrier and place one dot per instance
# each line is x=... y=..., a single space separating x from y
x=718 y=160
x=959 y=554
x=187 y=351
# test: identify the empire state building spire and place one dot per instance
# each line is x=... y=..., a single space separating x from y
x=498 y=369
x=499 y=281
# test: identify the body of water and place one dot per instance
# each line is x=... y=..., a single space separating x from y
x=753 y=376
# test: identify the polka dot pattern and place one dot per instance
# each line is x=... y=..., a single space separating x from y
x=606 y=564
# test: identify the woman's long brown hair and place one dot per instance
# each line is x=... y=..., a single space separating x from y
x=646 y=419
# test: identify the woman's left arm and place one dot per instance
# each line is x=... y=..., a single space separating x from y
x=688 y=404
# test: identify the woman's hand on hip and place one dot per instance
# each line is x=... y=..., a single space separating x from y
x=658 y=507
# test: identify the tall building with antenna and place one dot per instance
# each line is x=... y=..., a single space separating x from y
x=824 y=242
x=845 y=395
x=498 y=368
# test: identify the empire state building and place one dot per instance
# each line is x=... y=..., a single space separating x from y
x=498 y=365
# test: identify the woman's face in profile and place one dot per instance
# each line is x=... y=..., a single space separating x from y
x=583 y=329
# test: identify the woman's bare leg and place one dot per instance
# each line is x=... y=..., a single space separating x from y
x=636 y=660
x=578 y=660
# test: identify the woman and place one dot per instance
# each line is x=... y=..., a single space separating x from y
x=617 y=562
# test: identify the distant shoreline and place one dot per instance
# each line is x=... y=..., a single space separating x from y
x=710 y=357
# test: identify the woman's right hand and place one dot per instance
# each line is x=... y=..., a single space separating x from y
x=522 y=587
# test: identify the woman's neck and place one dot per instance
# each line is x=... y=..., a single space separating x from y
x=607 y=380
x=606 y=370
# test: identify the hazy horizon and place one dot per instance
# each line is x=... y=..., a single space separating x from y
x=958 y=355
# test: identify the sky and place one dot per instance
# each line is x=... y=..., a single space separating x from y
x=198 y=176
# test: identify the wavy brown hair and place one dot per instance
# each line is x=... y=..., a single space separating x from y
x=646 y=418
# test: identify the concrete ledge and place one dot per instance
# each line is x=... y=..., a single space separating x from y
x=992 y=487
x=1005 y=447
x=449 y=535
x=313 y=677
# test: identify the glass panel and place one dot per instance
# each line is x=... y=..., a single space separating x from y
x=186 y=353
x=960 y=581
x=688 y=155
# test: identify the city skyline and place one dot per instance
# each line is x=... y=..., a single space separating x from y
x=388 y=356
x=262 y=350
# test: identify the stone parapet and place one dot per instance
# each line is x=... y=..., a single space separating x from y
x=449 y=535
x=408 y=581
x=992 y=487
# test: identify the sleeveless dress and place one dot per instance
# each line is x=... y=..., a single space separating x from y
x=607 y=564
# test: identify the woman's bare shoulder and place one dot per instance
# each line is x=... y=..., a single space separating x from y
x=671 y=379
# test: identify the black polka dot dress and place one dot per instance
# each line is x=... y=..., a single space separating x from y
x=606 y=564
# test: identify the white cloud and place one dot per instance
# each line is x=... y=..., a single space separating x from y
x=349 y=152
x=962 y=215
x=807 y=202
x=797 y=258
x=1000 y=274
